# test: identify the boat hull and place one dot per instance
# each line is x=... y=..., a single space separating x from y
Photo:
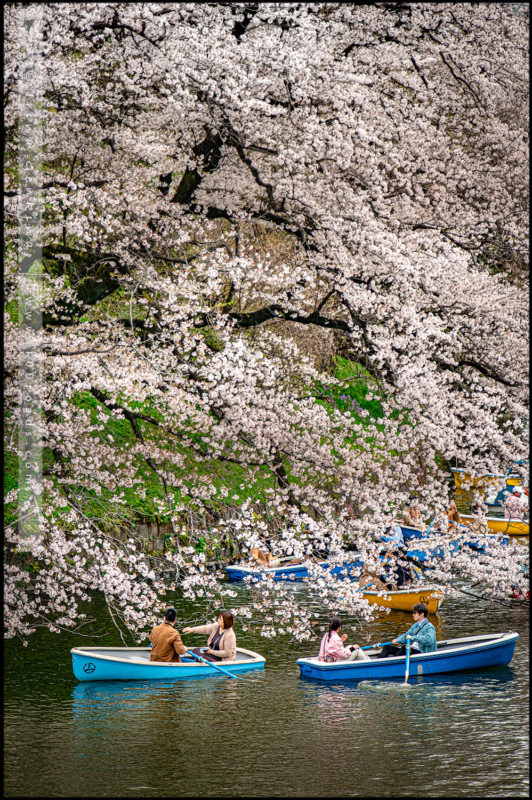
x=412 y=533
x=512 y=527
x=238 y=572
x=405 y=599
x=294 y=572
x=454 y=655
x=487 y=481
x=133 y=663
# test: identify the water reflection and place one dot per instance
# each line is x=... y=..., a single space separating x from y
x=425 y=703
x=113 y=697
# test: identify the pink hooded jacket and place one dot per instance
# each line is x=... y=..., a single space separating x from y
x=333 y=648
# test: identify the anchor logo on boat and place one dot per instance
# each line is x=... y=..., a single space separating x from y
x=88 y=667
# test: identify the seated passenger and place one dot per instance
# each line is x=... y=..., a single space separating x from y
x=453 y=516
x=264 y=560
x=515 y=508
x=371 y=581
x=221 y=644
x=411 y=515
x=403 y=575
x=165 y=639
x=267 y=561
x=332 y=645
x=393 y=533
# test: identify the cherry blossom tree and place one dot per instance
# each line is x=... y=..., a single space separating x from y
x=219 y=183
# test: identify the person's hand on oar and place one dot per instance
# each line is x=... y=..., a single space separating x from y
x=372 y=646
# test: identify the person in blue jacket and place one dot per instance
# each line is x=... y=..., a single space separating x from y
x=393 y=533
x=422 y=635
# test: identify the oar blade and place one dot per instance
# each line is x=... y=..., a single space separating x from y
x=407 y=664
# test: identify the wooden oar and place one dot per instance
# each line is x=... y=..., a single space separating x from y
x=407 y=667
x=210 y=664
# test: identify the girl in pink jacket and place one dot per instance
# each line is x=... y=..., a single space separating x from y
x=332 y=645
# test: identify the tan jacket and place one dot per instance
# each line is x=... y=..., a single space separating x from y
x=166 y=643
x=227 y=651
x=412 y=519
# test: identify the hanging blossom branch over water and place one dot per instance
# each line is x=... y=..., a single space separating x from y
x=217 y=179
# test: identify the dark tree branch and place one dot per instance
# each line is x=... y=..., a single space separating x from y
x=276 y=312
x=240 y=27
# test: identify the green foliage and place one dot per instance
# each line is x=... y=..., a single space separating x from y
x=146 y=500
x=212 y=340
x=11 y=480
x=10 y=471
x=352 y=394
x=13 y=310
x=233 y=483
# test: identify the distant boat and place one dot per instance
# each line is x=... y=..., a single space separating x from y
x=133 y=663
x=290 y=572
x=412 y=533
x=490 y=479
x=511 y=527
x=421 y=555
x=404 y=599
x=451 y=655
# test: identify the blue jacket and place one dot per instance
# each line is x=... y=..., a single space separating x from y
x=394 y=534
x=423 y=633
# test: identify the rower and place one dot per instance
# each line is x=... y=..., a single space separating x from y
x=422 y=633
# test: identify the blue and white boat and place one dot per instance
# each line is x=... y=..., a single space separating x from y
x=412 y=533
x=133 y=664
x=451 y=655
x=291 y=572
x=421 y=554
x=417 y=552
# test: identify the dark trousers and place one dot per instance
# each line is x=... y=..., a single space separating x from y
x=395 y=650
x=206 y=656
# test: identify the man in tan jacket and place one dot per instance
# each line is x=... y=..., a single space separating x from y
x=166 y=641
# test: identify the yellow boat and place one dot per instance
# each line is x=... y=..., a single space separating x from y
x=511 y=527
x=405 y=599
x=486 y=481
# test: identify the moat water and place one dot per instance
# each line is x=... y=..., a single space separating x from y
x=269 y=733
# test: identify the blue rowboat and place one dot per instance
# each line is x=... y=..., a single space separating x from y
x=437 y=552
x=133 y=664
x=452 y=655
x=412 y=533
x=422 y=555
x=290 y=572
x=496 y=538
